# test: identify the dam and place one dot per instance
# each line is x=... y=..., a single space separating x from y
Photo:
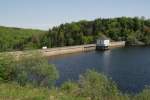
x=62 y=50
x=80 y=48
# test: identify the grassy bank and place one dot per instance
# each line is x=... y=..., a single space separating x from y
x=89 y=89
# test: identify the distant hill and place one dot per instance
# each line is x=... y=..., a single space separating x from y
x=16 y=38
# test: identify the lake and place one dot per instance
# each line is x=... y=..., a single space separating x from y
x=129 y=67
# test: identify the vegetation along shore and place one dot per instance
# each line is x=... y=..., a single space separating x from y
x=32 y=78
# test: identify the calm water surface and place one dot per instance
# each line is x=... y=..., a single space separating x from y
x=128 y=67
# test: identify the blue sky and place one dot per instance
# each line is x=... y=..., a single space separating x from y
x=44 y=14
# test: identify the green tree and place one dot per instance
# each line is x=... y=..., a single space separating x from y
x=34 y=70
x=98 y=87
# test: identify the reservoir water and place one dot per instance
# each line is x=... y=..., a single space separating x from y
x=129 y=67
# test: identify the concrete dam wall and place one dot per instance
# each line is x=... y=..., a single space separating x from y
x=67 y=50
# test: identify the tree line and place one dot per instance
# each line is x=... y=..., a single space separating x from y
x=135 y=31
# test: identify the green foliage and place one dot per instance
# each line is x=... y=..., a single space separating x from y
x=16 y=38
x=91 y=86
x=15 y=92
x=33 y=70
x=98 y=87
x=36 y=71
x=133 y=30
x=132 y=39
x=146 y=38
x=5 y=67
x=144 y=95
x=87 y=39
x=71 y=88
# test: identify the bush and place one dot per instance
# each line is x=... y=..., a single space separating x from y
x=36 y=71
x=71 y=88
x=98 y=87
x=33 y=70
x=5 y=67
x=93 y=86
x=144 y=95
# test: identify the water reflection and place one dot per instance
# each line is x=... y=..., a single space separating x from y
x=106 y=55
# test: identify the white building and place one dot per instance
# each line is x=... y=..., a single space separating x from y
x=102 y=43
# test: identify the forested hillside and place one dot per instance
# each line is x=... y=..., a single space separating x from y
x=136 y=31
x=17 y=38
x=133 y=30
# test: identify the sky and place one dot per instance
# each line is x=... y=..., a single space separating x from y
x=44 y=14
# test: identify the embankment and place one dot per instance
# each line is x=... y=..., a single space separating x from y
x=117 y=44
x=66 y=50
x=63 y=50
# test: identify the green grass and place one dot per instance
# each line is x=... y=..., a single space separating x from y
x=16 y=92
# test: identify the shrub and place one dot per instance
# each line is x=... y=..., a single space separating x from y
x=144 y=95
x=32 y=69
x=36 y=71
x=98 y=87
x=71 y=88
x=5 y=67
